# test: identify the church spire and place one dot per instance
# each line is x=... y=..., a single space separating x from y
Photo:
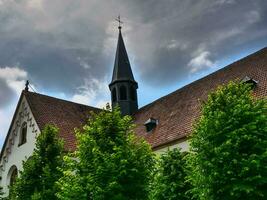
x=123 y=86
x=122 y=68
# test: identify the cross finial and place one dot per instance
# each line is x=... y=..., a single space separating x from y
x=120 y=22
x=27 y=86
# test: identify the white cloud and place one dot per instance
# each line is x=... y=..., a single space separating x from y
x=84 y=97
x=35 y=4
x=83 y=63
x=221 y=2
x=174 y=44
x=11 y=73
x=102 y=104
x=92 y=92
x=14 y=78
x=201 y=61
x=85 y=93
x=223 y=35
x=253 y=16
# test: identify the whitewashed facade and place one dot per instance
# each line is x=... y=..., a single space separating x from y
x=183 y=145
x=14 y=152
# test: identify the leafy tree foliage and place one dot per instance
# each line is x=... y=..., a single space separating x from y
x=229 y=154
x=169 y=181
x=110 y=162
x=40 y=171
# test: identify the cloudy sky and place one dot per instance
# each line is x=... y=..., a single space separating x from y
x=66 y=48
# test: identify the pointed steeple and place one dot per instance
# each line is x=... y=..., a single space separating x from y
x=123 y=87
x=122 y=69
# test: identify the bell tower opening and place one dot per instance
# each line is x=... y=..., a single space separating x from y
x=123 y=86
x=123 y=93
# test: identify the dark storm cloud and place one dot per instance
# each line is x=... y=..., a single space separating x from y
x=192 y=36
x=60 y=43
x=53 y=43
x=54 y=67
x=67 y=47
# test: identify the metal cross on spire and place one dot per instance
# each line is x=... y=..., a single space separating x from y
x=119 y=20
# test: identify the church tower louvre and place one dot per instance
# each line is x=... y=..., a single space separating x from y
x=123 y=87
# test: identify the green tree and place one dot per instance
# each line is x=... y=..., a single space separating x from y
x=169 y=179
x=110 y=162
x=229 y=146
x=40 y=171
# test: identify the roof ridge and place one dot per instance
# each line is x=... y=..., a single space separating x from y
x=58 y=99
x=202 y=78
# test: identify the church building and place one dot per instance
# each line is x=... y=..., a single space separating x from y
x=164 y=123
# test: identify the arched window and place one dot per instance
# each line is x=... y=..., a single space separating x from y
x=114 y=95
x=133 y=93
x=123 y=93
x=12 y=175
x=23 y=134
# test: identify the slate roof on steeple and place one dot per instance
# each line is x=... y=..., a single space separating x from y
x=122 y=69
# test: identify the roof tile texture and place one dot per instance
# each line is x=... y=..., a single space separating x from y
x=65 y=115
x=177 y=111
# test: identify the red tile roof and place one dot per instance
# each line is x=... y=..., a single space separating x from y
x=65 y=115
x=177 y=111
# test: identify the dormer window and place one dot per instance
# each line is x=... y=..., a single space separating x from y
x=151 y=124
x=251 y=81
x=23 y=134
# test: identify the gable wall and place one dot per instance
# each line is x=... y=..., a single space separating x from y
x=183 y=145
x=13 y=154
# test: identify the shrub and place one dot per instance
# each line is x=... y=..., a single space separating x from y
x=40 y=171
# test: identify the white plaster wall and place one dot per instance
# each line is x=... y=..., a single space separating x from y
x=14 y=154
x=183 y=145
